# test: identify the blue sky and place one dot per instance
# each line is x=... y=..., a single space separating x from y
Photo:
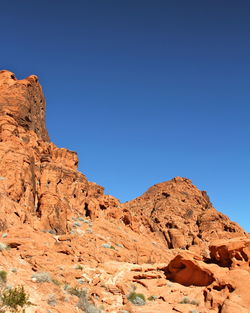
x=143 y=90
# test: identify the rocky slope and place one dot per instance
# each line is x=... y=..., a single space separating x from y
x=63 y=237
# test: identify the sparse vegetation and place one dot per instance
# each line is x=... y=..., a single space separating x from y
x=78 y=267
x=186 y=300
x=84 y=305
x=77 y=224
x=56 y=282
x=52 y=231
x=74 y=291
x=3 y=277
x=82 y=220
x=41 y=277
x=52 y=300
x=108 y=246
x=136 y=298
x=152 y=298
x=14 y=300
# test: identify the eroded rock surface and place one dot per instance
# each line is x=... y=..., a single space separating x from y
x=40 y=184
x=56 y=224
x=233 y=253
x=180 y=212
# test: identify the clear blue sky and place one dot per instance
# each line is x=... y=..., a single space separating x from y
x=143 y=90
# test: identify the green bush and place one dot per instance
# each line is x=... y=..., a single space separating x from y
x=137 y=298
x=14 y=298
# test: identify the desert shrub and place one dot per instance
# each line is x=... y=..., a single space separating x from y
x=77 y=224
x=3 y=277
x=56 y=282
x=136 y=298
x=84 y=305
x=152 y=298
x=52 y=231
x=83 y=220
x=75 y=291
x=185 y=300
x=108 y=245
x=78 y=267
x=3 y=246
x=41 y=277
x=14 y=298
x=52 y=300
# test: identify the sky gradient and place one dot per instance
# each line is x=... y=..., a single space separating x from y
x=143 y=90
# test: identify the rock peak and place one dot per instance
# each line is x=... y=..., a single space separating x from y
x=23 y=101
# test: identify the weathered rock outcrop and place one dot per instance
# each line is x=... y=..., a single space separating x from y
x=180 y=212
x=23 y=102
x=233 y=253
x=53 y=220
x=39 y=182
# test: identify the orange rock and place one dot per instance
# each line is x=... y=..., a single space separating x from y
x=186 y=270
x=55 y=223
x=233 y=253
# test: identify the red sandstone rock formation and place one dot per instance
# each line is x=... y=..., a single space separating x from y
x=54 y=220
x=39 y=183
x=181 y=213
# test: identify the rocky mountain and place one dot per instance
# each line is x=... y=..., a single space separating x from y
x=74 y=248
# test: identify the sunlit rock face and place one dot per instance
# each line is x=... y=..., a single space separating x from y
x=23 y=101
x=170 y=244
x=182 y=214
x=39 y=182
